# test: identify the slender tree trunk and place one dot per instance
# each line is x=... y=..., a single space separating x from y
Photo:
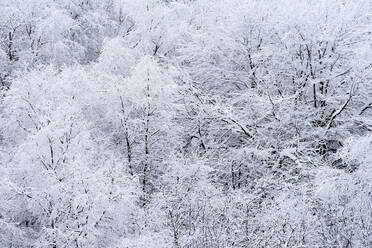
x=314 y=93
x=146 y=139
x=124 y=123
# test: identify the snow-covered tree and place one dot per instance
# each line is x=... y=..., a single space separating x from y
x=158 y=123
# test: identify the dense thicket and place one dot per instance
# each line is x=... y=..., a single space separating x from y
x=203 y=123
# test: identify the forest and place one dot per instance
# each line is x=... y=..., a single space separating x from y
x=185 y=123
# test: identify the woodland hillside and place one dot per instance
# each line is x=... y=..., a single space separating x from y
x=185 y=123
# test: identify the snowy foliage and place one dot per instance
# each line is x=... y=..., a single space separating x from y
x=186 y=123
